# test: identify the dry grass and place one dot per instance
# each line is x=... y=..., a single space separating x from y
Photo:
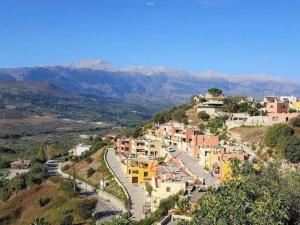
x=23 y=207
x=192 y=116
x=297 y=130
x=101 y=171
x=252 y=135
x=82 y=166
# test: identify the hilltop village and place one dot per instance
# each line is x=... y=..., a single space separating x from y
x=197 y=152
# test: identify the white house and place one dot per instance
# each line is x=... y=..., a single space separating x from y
x=79 y=149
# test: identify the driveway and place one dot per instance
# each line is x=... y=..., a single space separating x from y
x=136 y=192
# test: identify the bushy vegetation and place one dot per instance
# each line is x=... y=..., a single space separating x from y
x=4 y=163
x=265 y=196
x=217 y=124
x=67 y=220
x=176 y=113
x=290 y=149
x=44 y=201
x=239 y=104
x=202 y=115
x=40 y=221
x=295 y=122
x=277 y=133
x=215 y=91
x=90 y=172
x=34 y=176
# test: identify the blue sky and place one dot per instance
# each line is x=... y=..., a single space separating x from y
x=230 y=36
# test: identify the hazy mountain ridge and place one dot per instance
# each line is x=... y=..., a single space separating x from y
x=141 y=84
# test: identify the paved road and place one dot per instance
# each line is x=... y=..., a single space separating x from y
x=136 y=192
x=103 y=210
x=194 y=166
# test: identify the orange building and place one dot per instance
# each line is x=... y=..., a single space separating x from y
x=277 y=107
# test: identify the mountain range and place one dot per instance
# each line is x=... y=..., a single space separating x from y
x=159 y=86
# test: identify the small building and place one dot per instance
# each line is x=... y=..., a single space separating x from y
x=211 y=107
x=123 y=146
x=79 y=149
x=277 y=107
x=272 y=98
x=290 y=99
x=20 y=164
x=163 y=189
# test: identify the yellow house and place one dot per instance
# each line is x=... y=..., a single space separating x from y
x=139 y=170
x=219 y=163
x=164 y=189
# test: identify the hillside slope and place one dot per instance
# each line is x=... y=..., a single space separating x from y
x=19 y=98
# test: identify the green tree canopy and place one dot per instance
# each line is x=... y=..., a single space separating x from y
x=290 y=149
x=202 y=115
x=215 y=91
x=260 y=198
x=295 y=122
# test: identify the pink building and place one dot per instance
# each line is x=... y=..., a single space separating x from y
x=203 y=141
x=277 y=107
x=123 y=146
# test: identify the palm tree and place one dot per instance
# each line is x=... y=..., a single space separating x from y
x=40 y=221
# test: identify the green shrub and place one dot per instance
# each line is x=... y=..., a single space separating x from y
x=90 y=172
x=149 y=188
x=89 y=160
x=290 y=149
x=44 y=201
x=66 y=220
x=40 y=221
x=203 y=116
x=4 y=163
x=215 y=91
x=84 y=207
x=295 y=122
x=277 y=133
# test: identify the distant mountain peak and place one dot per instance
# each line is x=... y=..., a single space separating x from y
x=93 y=64
x=154 y=70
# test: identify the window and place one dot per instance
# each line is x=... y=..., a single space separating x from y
x=168 y=189
x=145 y=174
